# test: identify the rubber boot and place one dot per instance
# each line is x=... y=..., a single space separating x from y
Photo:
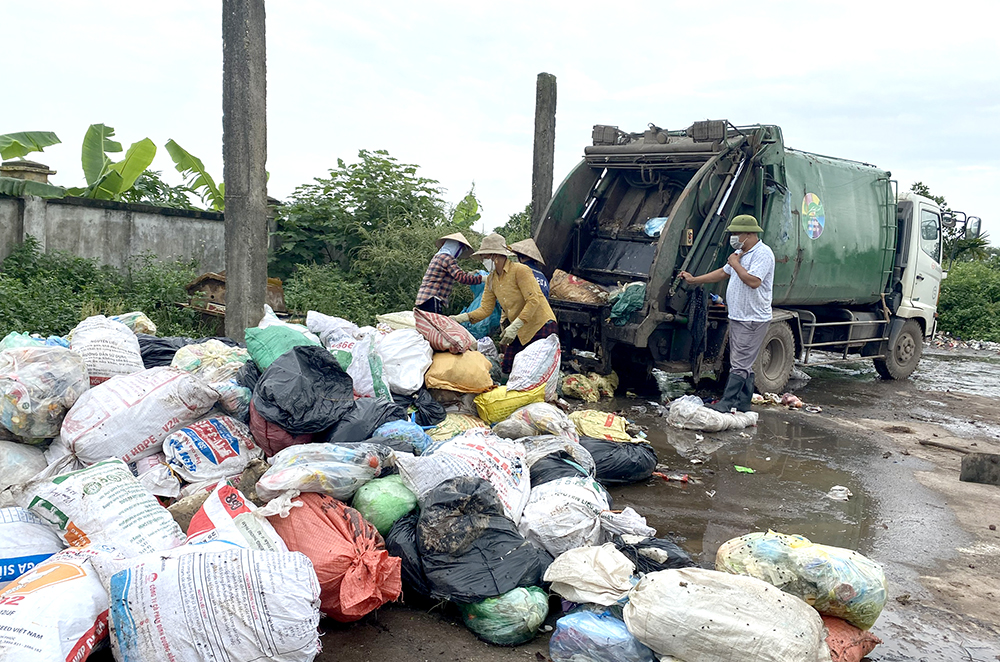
x=746 y=395
x=730 y=396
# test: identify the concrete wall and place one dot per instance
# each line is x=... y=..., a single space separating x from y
x=111 y=232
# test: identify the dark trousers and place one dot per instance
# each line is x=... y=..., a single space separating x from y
x=432 y=305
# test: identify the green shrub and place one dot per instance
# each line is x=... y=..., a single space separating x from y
x=326 y=289
x=969 y=306
x=49 y=293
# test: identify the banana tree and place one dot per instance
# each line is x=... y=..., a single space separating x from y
x=107 y=179
x=17 y=146
x=196 y=177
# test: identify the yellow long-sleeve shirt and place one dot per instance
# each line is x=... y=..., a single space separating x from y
x=520 y=297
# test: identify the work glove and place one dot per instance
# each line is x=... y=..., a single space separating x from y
x=461 y=317
x=511 y=332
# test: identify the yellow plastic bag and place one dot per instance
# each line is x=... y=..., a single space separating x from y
x=600 y=425
x=496 y=405
x=465 y=373
x=454 y=425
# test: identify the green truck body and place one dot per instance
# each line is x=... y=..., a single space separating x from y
x=857 y=269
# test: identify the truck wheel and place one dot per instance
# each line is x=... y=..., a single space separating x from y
x=774 y=364
x=904 y=354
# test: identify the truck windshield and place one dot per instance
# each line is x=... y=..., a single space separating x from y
x=930 y=234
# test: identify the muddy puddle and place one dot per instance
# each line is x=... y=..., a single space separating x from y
x=797 y=458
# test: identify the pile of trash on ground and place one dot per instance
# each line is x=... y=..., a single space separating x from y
x=186 y=499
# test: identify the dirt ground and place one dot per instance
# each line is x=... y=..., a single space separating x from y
x=931 y=531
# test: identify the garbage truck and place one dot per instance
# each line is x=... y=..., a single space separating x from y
x=858 y=265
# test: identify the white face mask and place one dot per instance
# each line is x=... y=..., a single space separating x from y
x=488 y=264
x=735 y=242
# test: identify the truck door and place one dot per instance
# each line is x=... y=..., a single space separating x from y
x=927 y=271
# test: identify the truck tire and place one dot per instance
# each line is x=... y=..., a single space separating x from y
x=904 y=353
x=773 y=366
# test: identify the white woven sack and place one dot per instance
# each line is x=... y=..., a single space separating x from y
x=697 y=614
x=103 y=504
x=109 y=348
x=129 y=417
x=25 y=541
x=563 y=514
x=475 y=452
x=214 y=601
x=58 y=610
x=600 y=575
x=536 y=364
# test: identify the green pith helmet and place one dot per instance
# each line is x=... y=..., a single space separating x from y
x=744 y=223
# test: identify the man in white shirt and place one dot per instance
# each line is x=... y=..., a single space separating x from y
x=748 y=298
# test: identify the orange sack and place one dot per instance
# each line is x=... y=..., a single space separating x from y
x=356 y=574
x=848 y=643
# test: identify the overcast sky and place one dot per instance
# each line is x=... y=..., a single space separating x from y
x=909 y=86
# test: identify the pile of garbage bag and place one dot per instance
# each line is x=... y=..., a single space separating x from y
x=178 y=498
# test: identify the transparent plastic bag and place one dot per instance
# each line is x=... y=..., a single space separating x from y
x=542 y=418
x=591 y=636
x=509 y=619
x=325 y=468
x=690 y=413
x=836 y=581
x=38 y=385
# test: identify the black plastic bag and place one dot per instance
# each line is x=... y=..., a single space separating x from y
x=553 y=466
x=158 y=351
x=618 y=463
x=248 y=375
x=429 y=411
x=367 y=416
x=402 y=542
x=654 y=554
x=304 y=391
x=469 y=549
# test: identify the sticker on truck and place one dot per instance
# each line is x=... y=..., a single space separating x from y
x=813 y=216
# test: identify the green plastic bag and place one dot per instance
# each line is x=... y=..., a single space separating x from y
x=630 y=300
x=267 y=344
x=383 y=501
x=509 y=619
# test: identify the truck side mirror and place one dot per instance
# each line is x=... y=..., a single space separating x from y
x=972 y=227
x=948 y=220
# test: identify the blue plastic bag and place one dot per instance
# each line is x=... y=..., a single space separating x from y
x=655 y=225
x=491 y=324
x=406 y=431
x=590 y=636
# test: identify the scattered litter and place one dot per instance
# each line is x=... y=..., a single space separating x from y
x=839 y=493
x=710 y=493
x=744 y=470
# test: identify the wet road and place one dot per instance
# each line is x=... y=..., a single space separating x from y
x=798 y=457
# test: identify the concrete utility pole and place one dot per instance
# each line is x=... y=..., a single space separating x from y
x=545 y=147
x=244 y=153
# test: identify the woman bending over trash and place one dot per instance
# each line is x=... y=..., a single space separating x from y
x=443 y=271
x=514 y=287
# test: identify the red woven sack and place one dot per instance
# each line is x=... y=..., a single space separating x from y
x=443 y=333
x=272 y=437
x=356 y=574
x=848 y=643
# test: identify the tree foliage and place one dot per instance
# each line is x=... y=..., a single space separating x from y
x=517 y=227
x=329 y=220
x=969 y=306
x=150 y=189
x=957 y=246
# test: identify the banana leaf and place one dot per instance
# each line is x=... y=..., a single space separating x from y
x=18 y=187
x=16 y=145
x=96 y=143
x=138 y=157
x=192 y=167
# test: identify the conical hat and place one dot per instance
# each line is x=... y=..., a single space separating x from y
x=460 y=238
x=493 y=244
x=527 y=248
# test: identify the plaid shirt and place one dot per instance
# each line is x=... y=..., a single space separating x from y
x=440 y=277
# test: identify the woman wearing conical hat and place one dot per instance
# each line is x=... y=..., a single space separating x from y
x=528 y=254
x=513 y=286
x=443 y=271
